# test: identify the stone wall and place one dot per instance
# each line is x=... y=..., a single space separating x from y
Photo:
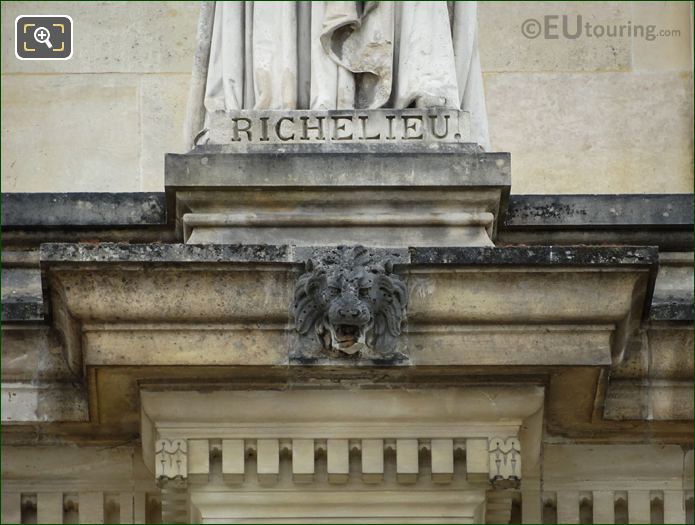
x=591 y=115
x=103 y=120
x=584 y=115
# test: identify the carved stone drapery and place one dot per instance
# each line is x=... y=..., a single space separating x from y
x=336 y=55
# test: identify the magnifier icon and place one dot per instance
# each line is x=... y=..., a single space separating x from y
x=42 y=36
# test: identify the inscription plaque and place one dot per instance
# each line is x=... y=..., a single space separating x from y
x=338 y=126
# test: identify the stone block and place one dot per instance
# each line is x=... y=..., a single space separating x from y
x=372 y=460
x=603 y=506
x=613 y=467
x=671 y=353
x=11 y=506
x=33 y=353
x=531 y=506
x=407 y=460
x=510 y=345
x=49 y=507
x=70 y=132
x=442 y=459
x=233 y=460
x=109 y=37
x=162 y=110
x=198 y=460
x=673 y=290
x=81 y=209
x=477 y=460
x=504 y=47
x=22 y=296
x=638 y=506
x=568 y=506
x=689 y=465
x=626 y=400
x=91 y=507
x=671 y=400
x=72 y=464
x=268 y=461
x=600 y=212
x=126 y=506
x=19 y=402
x=338 y=460
x=674 y=510
x=377 y=195
x=607 y=133
x=28 y=403
x=445 y=295
x=671 y=47
x=230 y=345
x=302 y=460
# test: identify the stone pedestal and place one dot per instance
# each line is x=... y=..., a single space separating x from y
x=390 y=195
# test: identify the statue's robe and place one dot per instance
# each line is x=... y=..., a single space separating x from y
x=338 y=55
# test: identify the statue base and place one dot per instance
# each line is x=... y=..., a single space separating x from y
x=388 y=195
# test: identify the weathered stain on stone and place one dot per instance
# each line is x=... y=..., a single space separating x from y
x=591 y=211
x=671 y=309
x=191 y=253
x=83 y=209
x=538 y=255
x=163 y=253
x=22 y=309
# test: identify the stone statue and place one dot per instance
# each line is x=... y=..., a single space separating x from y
x=350 y=300
x=337 y=55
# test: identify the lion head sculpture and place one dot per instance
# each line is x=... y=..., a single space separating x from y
x=352 y=300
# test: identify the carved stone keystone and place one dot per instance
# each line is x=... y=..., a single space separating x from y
x=350 y=302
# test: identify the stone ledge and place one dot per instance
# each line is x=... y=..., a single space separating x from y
x=525 y=212
x=31 y=210
x=218 y=253
x=24 y=402
x=411 y=167
x=22 y=296
x=163 y=253
x=538 y=255
x=671 y=309
x=649 y=399
x=185 y=292
x=600 y=211
x=667 y=239
x=278 y=150
x=673 y=291
x=18 y=309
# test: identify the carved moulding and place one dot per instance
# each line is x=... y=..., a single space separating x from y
x=349 y=302
x=505 y=462
x=170 y=460
x=498 y=461
x=171 y=476
x=330 y=446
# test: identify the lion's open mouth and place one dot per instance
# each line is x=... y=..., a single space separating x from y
x=348 y=338
x=346 y=333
